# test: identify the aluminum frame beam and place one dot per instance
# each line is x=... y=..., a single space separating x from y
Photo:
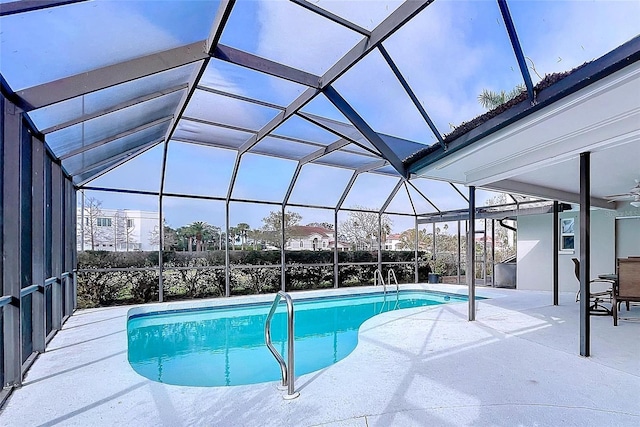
x=470 y=271
x=334 y=146
x=11 y=127
x=217 y=124
x=312 y=118
x=23 y=6
x=485 y=212
x=385 y=29
x=217 y=27
x=38 y=244
x=226 y=147
x=425 y=197
x=332 y=17
x=460 y=192
x=511 y=186
x=219 y=22
x=57 y=235
x=556 y=251
x=119 y=156
x=336 y=261
x=273 y=135
x=292 y=184
x=126 y=133
x=517 y=48
x=266 y=66
x=393 y=193
x=121 y=106
x=413 y=206
x=291 y=109
x=412 y=95
x=352 y=180
x=371 y=166
x=582 y=78
x=364 y=128
x=80 y=84
x=110 y=168
x=240 y=97
x=416 y=273
x=346 y=191
x=585 y=254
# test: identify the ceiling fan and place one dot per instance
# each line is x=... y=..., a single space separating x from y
x=633 y=195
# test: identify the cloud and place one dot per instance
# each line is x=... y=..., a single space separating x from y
x=365 y=13
x=180 y=211
x=320 y=185
x=78 y=38
x=449 y=52
x=299 y=38
x=564 y=34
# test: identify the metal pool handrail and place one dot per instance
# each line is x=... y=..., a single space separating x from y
x=391 y=274
x=286 y=369
x=378 y=274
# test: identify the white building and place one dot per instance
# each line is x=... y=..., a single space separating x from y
x=393 y=242
x=308 y=238
x=117 y=230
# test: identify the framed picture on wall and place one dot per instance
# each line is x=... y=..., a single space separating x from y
x=567 y=234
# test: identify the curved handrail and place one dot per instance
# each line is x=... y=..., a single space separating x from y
x=391 y=274
x=285 y=370
x=377 y=274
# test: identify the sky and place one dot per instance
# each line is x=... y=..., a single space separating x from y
x=448 y=53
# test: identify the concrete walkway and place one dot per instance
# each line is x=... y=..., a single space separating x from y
x=517 y=365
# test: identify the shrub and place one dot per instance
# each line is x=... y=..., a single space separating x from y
x=202 y=274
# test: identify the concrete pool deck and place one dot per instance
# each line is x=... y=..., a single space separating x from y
x=516 y=365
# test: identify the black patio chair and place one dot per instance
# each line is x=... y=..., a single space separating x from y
x=598 y=297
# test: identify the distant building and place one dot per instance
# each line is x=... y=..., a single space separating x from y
x=393 y=243
x=118 y=230
x=309 y=238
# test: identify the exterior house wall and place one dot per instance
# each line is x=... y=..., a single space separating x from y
x=306 y=243
x=628 y=231
x=140 y=236
x=393 y=243
x=535 y=250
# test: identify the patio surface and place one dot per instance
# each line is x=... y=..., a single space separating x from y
x=517 y=365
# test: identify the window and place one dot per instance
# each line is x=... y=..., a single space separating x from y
x=103 y=222
x=301 y=243
x=567 y=242
x=130 y=223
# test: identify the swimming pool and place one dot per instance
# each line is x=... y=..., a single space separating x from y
x=224 y=346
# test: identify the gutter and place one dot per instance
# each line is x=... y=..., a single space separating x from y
x=581 y=77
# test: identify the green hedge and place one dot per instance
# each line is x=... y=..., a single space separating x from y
x=202 y=274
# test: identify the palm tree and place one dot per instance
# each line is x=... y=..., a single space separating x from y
x=490 y=99
x=198 y=231
x=242 y=230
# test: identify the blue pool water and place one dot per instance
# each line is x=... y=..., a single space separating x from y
x=225 y=346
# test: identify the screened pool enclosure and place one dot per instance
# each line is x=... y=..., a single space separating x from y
x=128 y=125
